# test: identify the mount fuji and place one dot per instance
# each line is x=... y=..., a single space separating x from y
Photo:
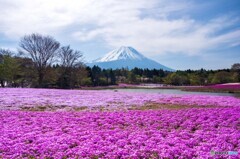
x=127 y=57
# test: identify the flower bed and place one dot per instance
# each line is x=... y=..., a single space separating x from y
x=49 y=99
x=133 y=134
x=125 y=129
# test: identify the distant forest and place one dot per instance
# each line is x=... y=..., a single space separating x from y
x=42 y=62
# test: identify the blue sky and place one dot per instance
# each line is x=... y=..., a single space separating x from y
x=181 y=34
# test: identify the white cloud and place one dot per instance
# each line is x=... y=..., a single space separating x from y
x=143 y=24
x=156 y=36
x=20 y=17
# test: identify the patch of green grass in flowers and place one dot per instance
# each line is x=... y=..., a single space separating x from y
x=156 y=106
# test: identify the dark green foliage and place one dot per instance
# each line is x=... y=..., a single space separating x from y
x=19 y=72
x=9 y=68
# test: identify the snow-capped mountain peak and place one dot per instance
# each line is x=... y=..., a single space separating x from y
x=122 y=53
x=126 y=57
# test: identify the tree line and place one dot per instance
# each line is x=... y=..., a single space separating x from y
x=42 y=62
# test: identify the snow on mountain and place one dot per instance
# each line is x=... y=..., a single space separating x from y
x=127 y=57
x=122 y=53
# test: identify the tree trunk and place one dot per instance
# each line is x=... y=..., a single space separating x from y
x=40 y=79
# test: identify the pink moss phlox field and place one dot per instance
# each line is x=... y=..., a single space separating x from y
x=15 y=98
x=225 y=86
x=189 y=133
x=164 y=133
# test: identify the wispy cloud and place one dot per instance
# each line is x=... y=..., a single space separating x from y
x=148 y=25
x=163 y=35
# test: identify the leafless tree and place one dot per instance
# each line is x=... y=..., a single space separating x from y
x=236 y=66
x=5 y=52
x=42 y=50
x=70 y=58
x=71 y=66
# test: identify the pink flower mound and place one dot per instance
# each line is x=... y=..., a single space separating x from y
x=190 y=133
x=226 y=86
x=14 y=99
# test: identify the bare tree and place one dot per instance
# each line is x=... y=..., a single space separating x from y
x=42 y=50
x=71 y=67
x=5 y=52
x=236 y=66
x=70 y=58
